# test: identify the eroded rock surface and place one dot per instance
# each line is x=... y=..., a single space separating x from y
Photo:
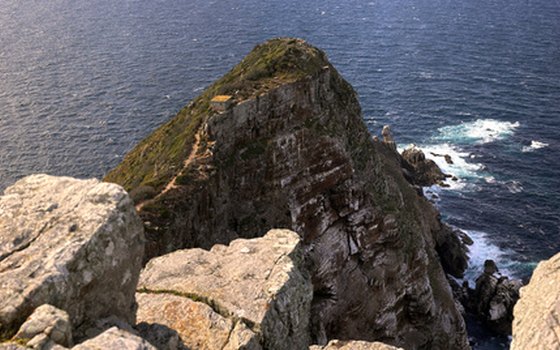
x=353 y=345
x=536 y=322
x=74 y=244
x=293 y=151
x=46 y=327
x=250 y=293
x=115 y=338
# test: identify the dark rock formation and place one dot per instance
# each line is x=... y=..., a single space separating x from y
x=293 y=151
x=493 y=298
x=419 y=170
x=74 y=244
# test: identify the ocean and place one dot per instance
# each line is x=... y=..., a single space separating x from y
x=81 y=82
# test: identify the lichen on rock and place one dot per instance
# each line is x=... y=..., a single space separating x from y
x=249 y=294
x=74 y=244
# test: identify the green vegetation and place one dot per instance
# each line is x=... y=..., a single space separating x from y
x=159 y=157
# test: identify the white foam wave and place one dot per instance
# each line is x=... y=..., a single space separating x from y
x=461 y=169
x=534 y=145
x=481 y=250
x=478 y=131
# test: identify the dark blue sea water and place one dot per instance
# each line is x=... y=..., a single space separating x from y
x=82 y=81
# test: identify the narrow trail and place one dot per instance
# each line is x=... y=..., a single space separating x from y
x=172 y=184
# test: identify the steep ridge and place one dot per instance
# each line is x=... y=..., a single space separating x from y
x=293 y=152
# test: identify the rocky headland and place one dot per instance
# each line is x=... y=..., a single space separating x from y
x=263 y=216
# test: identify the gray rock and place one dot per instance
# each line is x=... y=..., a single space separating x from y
x=353 y=345
x=115 y=338
x=46 y=324
x=74 y=244
x=254 y=291
x=536 y=315
x=494 y=297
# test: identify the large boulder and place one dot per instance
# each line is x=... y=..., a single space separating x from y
x=74 y=244
x=251 y=293
x=536 y=322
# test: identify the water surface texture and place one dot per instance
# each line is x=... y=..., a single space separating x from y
x=81 y=82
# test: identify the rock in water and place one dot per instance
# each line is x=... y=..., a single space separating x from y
x=536 y=316
x=420 y=170
x=73 y=244
x=252 y=292
x=293 y=151
x=493 y=298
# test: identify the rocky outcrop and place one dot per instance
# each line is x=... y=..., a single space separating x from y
x=388 y=137
x=536 y=322
x=293 y=151
x=419 y=170
x=353 y=345
x=492 y=300
x=74 y=244
x=494 y=297
x=252 y=294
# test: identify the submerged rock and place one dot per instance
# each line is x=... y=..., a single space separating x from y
x=74 y=244
x=250 y=293
x=293 y=151
x=536 y=316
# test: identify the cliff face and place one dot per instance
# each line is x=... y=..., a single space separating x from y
x=294 y=152
x=536 y=322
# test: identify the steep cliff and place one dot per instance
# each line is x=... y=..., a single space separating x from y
x=294 y=152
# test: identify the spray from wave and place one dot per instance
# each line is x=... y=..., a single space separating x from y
x=534 y=146
x=480 y=131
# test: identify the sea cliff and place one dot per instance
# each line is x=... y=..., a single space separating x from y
x=293 y=151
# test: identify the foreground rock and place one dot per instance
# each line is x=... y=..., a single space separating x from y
x=74 y=244
x=46 y=327
x=115 y=338
x=353 y=345
x=253 y=293
x=292 y=151
x=536 y=322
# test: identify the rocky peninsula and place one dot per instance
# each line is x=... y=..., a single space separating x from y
x=263 y=216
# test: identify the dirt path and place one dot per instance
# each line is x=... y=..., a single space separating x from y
x=172 y=184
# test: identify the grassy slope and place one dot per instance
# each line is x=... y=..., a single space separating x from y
x=159 y=157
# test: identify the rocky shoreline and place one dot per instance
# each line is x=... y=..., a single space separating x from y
x=272 y=221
